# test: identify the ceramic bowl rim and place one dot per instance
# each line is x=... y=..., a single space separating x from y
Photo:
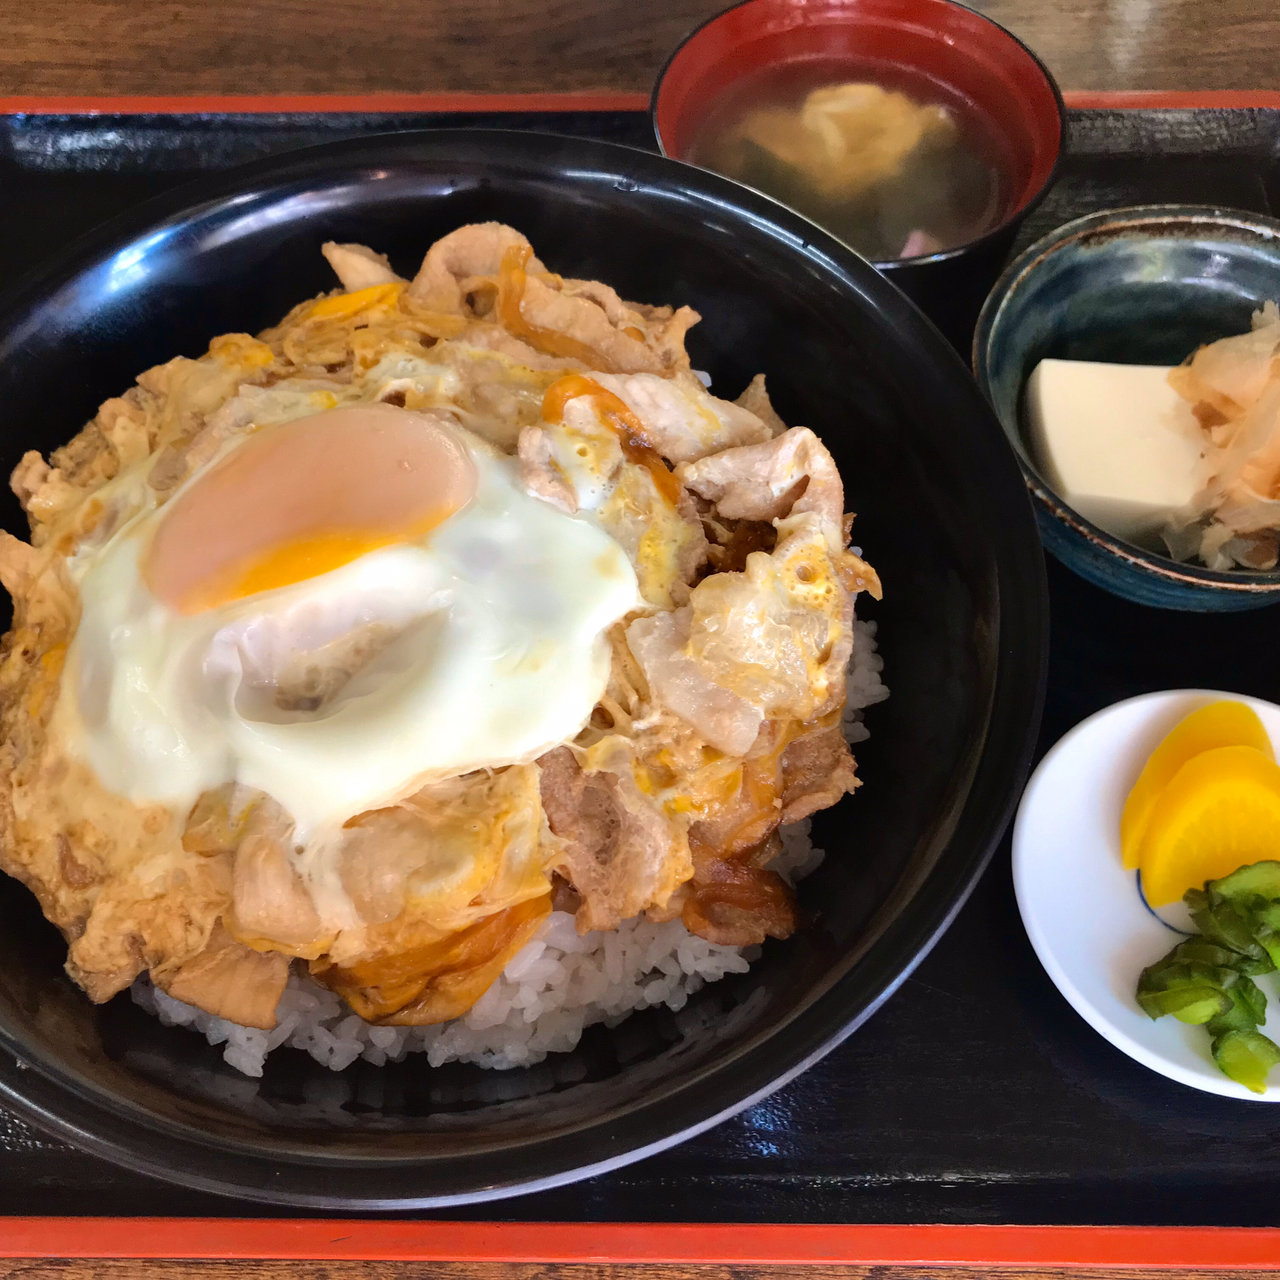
x=989 y=237
x=1015 y=277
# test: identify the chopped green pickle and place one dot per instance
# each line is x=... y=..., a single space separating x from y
x=1208 y=980
x=1260 y=879
x=1171 y=973
x=1251 y=994
x=1196 y=899
x=1269 y=941
x=1247 y=1057
x=1248 y=1009
x=1205 y=952
x=1188 y=1004
x=1220 y=922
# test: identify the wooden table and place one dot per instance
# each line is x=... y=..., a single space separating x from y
x=254 y=47
x=55 y=1269
x=352 y=46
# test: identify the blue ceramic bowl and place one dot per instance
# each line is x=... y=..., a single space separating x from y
x=1145 y=285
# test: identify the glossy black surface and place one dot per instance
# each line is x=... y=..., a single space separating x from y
x=942 y=513
x=975 y=1094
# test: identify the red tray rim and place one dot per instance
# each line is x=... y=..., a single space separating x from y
x=303 y=1239
x=932 y=1244
x=257 y=104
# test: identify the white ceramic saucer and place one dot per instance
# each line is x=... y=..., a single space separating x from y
x=1083 y=911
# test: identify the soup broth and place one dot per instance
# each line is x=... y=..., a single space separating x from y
x=885 y=160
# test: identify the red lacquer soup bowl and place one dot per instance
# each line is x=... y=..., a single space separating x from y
x=937 y=50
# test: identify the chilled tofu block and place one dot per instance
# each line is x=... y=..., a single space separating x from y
x=1115 y=442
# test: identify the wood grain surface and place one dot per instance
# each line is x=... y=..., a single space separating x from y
x=62 y=1269
x=173 y=47
x=350 y=46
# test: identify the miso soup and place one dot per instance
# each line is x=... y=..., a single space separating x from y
x=883 y=159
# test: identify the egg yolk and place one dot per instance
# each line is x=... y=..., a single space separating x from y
x=306 y=497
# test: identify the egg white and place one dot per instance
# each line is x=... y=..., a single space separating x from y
x=499 y=653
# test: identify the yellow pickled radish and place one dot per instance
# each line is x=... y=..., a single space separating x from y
x=1220 y=724
x=1219 y=812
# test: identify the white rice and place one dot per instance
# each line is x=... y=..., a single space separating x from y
x=552 y=989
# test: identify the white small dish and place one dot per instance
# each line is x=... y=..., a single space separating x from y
x=1085 y=914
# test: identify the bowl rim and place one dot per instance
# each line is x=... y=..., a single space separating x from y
x=990 y=237
x=1015 y=276
x=123 y=1132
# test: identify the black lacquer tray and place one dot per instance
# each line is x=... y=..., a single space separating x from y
x=976 y=1095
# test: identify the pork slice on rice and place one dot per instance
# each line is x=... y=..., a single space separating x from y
x=620 y=851
x=357 y=266
x=682 y=420
x=582 y=322
x=654 y=519
x=773 y=640
x=473 y=250
x=448 y=883
x=755 y=400
x=817 y=769
x=229 y=980
x=755 y=663
x=786 y=475
x=770 y=642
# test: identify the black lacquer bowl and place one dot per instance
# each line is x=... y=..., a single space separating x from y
x=942 y=514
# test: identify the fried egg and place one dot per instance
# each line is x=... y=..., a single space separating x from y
x=335 y=611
